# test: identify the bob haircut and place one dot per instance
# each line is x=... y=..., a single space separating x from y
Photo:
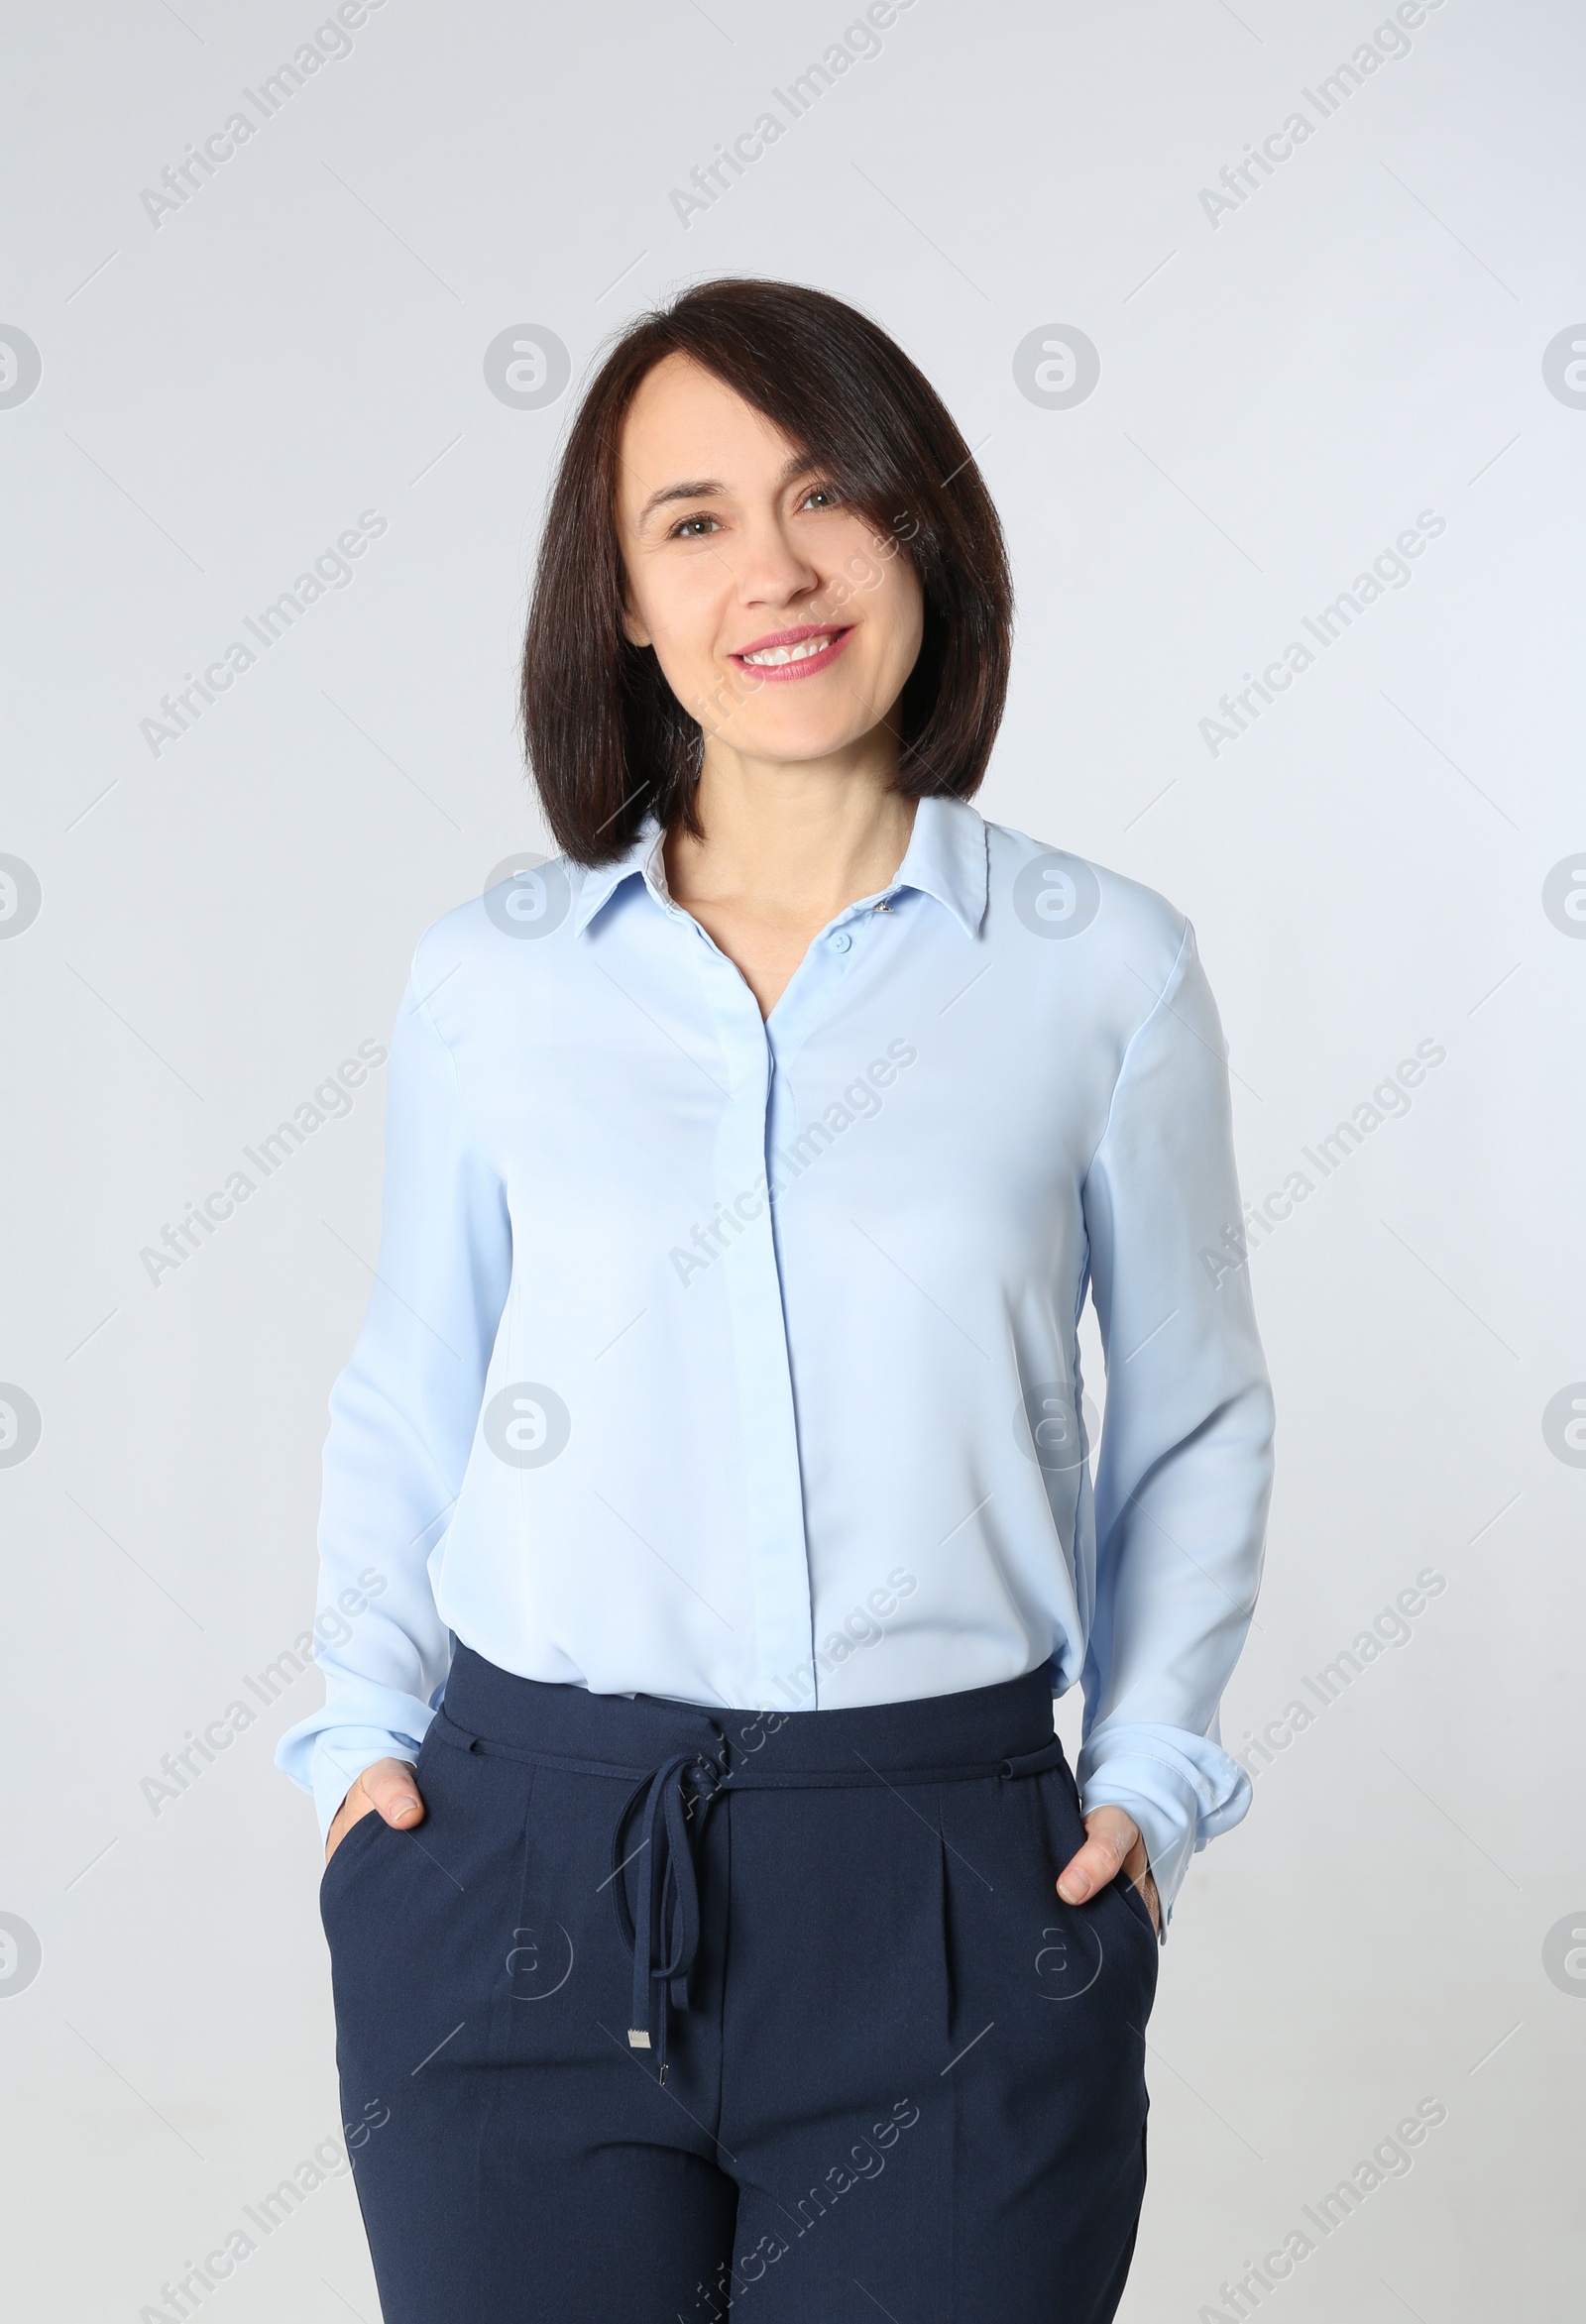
x=607 y=742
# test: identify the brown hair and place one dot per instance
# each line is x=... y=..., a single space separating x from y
x=606 y=740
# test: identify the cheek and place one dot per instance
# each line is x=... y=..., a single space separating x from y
x=867 y=574
x=682 y=616
x=897 y=611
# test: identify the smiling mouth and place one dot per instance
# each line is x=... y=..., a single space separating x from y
x=804 y=654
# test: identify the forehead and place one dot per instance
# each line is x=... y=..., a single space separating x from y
x=687 y=426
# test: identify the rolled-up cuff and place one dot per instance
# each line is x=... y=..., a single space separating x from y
x=1181 y=1789
x=326 y=1754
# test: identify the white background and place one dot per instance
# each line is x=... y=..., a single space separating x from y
x=1282 y=393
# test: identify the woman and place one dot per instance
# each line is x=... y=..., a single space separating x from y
x=714 y=1918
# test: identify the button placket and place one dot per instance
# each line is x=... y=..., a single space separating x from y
x=777 y=1552
x=757 y=1112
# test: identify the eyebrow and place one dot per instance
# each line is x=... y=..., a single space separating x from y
x=709 y=487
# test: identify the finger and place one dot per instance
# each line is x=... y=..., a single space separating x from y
x=1110 y=1834
x=1149 y=1890
x=1090 y=1869
x=389 y=1784
x=354 y=1802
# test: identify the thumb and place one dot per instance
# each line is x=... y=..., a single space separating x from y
x=390 y=1785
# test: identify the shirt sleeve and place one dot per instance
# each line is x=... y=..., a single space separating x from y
x=1185 y=1466
x=403 y=1416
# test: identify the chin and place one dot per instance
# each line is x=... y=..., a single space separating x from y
x=794 y=749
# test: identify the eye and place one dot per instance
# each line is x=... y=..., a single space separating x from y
x=828 y=494
x=684 y=531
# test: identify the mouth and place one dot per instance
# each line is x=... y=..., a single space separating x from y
x=793 y=654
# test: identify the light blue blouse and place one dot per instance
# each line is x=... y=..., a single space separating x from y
x=736 y=1361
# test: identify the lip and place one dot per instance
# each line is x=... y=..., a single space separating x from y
x=838 y=632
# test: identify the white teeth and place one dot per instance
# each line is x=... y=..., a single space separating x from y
x=773 y=655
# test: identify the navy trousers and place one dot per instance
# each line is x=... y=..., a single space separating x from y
x=667 y=2013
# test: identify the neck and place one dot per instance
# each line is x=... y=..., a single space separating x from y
x=802 y=838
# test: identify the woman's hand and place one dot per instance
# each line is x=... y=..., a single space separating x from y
x=386 y=1789
x=1112 y=1844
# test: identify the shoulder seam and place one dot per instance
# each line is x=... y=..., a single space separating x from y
x=424 y=1009
x=1173 y=977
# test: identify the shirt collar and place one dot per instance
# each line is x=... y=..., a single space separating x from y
x=641 y=859
x=945 y=858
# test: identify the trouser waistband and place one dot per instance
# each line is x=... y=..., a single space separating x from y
x=682 y=1757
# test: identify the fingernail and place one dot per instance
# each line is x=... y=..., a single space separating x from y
x=1073 y=1892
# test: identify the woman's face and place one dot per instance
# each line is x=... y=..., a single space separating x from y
x=784 y=623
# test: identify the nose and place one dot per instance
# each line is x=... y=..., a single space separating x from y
x=768 y=568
